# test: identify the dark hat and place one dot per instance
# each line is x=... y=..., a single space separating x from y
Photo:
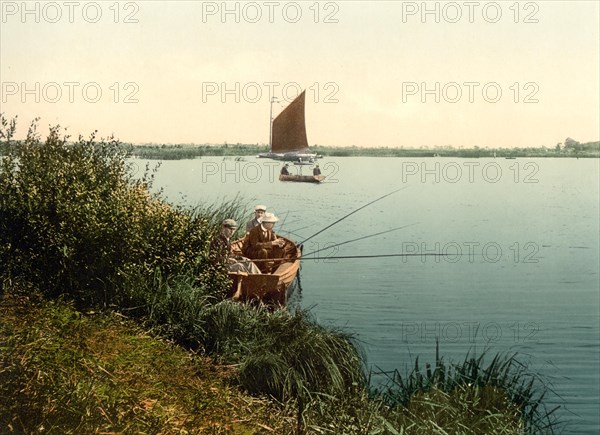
x=230 y=223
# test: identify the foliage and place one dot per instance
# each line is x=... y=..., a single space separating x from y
x=74 y=219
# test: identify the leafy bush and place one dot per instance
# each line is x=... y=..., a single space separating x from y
x=74 y=219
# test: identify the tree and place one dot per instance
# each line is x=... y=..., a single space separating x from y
x=571 y=144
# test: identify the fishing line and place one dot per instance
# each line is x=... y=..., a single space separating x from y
x=355 y=240
x=351 y=213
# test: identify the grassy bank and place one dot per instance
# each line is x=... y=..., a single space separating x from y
x=81 y=235
x=65 y=372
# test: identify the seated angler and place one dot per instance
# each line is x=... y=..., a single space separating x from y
x=262 y=243
x=221 y=249
x=284 y=170
x=259 y=211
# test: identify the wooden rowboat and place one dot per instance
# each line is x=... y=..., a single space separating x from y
x=270 y=288
x=302 y=178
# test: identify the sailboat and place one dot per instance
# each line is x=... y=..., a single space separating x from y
x=287 y=135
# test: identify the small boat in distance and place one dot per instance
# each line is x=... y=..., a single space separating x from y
x=287 y=133
x=302 y=178
x=270 y=288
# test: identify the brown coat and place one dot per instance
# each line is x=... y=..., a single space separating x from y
x=257 y=245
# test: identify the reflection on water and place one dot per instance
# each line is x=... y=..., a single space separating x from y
x=520 y=240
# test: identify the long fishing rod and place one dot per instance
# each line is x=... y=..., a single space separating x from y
x=304 y=227
x=355 y=240
x=351 y=213
x=343 y=257
x=290 y=232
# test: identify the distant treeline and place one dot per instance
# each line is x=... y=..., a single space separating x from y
x=189 y=151
x=168 y=152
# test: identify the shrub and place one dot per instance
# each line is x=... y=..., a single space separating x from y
x=75 y=220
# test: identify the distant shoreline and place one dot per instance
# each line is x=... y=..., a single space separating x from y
x=188 y=151
x=193 y=151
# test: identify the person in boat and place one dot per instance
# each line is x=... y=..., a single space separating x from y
x=259 y=211
x=221 y=247
x=262 y=243
x=316 y=170
x=284 y=170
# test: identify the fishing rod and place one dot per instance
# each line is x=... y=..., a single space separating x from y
x=360 y=238
x=351 y=213
x=344 y=257
x=304 y=227
x=290 y=232
x=340 y=257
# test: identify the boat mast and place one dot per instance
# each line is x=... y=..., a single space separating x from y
x=273 y=100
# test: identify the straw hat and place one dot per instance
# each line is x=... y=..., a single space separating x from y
x=269 y=217
x=260 y=207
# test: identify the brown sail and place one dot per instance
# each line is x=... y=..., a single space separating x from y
x=289 y=129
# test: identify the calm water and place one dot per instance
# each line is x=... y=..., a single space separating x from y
x=520 y=274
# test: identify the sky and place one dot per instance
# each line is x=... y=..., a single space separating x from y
x=391 y=74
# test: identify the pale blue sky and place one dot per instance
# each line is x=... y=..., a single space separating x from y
x=368 y=61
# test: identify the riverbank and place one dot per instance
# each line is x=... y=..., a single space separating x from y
x=66 y=371
x=63 y=371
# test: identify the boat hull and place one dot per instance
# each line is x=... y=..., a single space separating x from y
x=270 y=288
x=302 y=178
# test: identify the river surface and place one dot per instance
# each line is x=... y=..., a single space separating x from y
x=519 y=270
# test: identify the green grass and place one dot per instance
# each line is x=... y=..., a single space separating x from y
x=501 y=395
x=65 y=372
